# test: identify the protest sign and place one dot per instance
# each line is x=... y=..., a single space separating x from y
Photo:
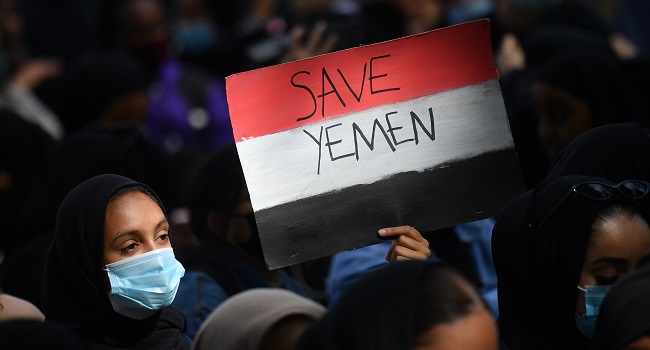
x=406 y=132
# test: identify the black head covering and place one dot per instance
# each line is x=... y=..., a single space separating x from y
x=95 y=82
x=380 y=312
x=615 y=152
x=74 y=284
x=538 y=267
x=594 y=77
x=23 y=149
x=30 y=334
x=625 y=313
x=96 y=151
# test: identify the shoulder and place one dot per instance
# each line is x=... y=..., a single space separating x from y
x=16 y=308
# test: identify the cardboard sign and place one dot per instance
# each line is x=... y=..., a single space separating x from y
x=407 y=132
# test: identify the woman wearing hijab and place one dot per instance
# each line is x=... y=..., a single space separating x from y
x=258 y=319
x=110 y=272
x=624 y=320
x=576 y=91
x=409 y=305
x=557 y=249
x=615 y=152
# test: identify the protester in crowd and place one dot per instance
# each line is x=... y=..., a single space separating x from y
x=20 y=74
x=258 y=319
x=108 y=89
x=577 y=91
x=110 y=274
x=230 y=259
x=466 y=247
x=624 y=317
x=410 y=305
x=32 y=334
x=615 y=152
x=23 y=149
x=12 y=308
x=560 y=246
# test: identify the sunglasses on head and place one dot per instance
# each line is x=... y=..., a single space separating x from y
x=630 y=189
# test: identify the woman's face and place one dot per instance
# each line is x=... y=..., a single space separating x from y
x=135 y=224
x=619 y=245
x=474 y=331
x=562 y=117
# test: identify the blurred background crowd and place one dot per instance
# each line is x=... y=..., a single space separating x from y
x=137 y=88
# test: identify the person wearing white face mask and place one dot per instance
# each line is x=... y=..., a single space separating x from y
x=110 y=273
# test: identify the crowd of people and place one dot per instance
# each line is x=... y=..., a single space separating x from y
x=126 y=221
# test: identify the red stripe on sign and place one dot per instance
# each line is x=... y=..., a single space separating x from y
x=290 y=95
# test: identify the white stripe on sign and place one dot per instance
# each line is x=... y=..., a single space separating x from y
x=414 y=135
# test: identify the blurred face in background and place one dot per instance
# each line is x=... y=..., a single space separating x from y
x=144 y=32
x=562 y=117
x=421 y=15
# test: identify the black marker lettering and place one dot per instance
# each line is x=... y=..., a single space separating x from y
x=308 y=90
x=318 y=142
x=372 y=77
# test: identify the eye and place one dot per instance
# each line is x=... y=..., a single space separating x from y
x=606 y=281
x=163 y=237
x=128 y=249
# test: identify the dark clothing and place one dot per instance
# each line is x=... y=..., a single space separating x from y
x=31 y=334
x=376 y=313
x=615 y=152
x=23 y=149
x=74 y=284
x=538 y=267
x=625 y=313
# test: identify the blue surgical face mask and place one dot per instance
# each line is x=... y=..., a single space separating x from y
x=594 y=296
x=465 y=11
x=143 y=284
x=196 y=38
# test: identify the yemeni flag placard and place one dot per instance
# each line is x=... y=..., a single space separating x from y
x=406 y=132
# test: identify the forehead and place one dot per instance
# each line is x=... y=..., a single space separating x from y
x=620 y=236
x=134 y=200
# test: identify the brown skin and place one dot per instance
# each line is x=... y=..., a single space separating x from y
x=562 y=117
x=421 y=15
x=144 y=22
x=408 y=244
x=135 y=225
x=475 y=331
x=642 y=343
x=619 y=246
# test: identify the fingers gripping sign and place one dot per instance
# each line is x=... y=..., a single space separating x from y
x=408 y=244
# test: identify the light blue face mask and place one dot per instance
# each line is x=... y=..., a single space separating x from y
x=465 y=11
x=196 y=37
x=144 y=284
x=594 y=296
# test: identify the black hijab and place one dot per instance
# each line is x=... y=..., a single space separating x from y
x=625 y=313
x=594 y=77
x=377 y=313
x=74 y=284
x=538 y=267
x=615 y=152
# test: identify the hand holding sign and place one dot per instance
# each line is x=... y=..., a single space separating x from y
x=408 y=244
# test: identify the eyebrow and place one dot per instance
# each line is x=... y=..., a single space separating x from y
x=610 y=260
x=133 y=232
